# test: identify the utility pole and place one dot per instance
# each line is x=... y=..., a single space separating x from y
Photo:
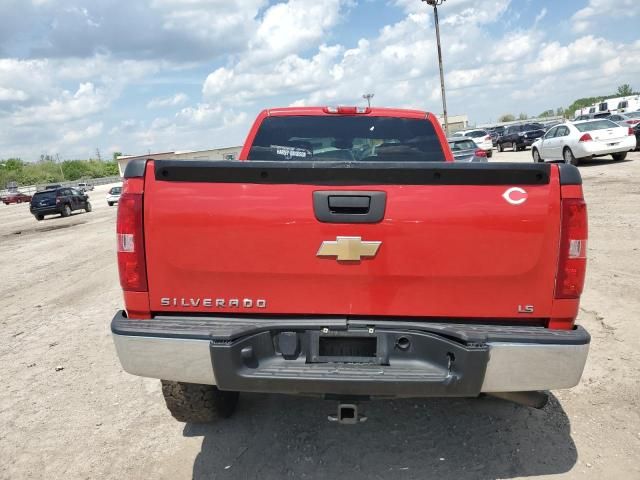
x=98 y=154
x=368 y=97
x=434 y=4
x=59 y=165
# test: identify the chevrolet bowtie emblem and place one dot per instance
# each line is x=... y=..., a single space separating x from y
x=348 y=248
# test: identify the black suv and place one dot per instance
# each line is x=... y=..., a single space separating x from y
x=519 y=137
x=62 y=200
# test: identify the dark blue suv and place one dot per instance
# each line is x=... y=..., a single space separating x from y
x=59 y=201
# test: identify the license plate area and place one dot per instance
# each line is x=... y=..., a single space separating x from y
x=347 y=347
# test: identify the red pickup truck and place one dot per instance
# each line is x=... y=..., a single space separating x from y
x=347 y=256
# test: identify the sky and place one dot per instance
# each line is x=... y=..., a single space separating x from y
x=169 y=75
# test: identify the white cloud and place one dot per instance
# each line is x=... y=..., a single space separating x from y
x=172 y=101
x=87 y=100
x=74 y=136
x=292 y=26
x=584 y=52
x=584 y=19
x=12 y=95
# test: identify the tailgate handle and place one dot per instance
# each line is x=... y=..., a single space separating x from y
x=347 y=204
x=349 y=207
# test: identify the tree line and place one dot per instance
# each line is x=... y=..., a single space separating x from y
x=624 y=90
x=47 y=171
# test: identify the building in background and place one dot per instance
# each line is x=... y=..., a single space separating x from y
x=456 y=122
x=228 y=153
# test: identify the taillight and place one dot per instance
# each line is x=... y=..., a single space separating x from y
x=573 y=249
x=131 y=258
x=631 y=131
x=633 y=122
x=480 y=153
x=585 y=138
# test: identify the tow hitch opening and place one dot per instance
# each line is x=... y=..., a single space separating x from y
x=348 y=414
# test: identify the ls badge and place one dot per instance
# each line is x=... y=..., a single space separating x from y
x=526 y=308
x=348 y=249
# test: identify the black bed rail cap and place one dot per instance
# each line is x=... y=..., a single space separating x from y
x=569 y=174
x=135 y=168
x=352 y=173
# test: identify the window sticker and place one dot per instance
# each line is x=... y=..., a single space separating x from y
x=291 y=152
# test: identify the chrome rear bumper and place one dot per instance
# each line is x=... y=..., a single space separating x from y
x=543 y=360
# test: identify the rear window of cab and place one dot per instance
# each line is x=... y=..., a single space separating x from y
x=346 y=138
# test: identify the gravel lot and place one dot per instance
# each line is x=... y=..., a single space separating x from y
x=67 y=410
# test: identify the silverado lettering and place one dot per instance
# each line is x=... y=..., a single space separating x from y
x=209 y=302
x=390 y=270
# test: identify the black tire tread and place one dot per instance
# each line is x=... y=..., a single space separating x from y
x=195 y=403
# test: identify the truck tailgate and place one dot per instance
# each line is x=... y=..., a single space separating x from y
x=455 y=240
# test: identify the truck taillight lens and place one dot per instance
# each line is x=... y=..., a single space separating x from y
x=573 y=249
x=131 y=258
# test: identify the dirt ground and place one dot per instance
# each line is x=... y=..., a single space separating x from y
x=67 y=410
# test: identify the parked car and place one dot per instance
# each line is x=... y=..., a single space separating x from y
x=113 y=195
x=519 y=137
x=496 y=132
x=401 y=274
x=575 y=141
x=61 y=201
x=85 y=187
x=592 y=116
x=636 y=132
x=625 y=119
x=480 y=137
x=465 y=150
x=548 y=125
x=15 y=197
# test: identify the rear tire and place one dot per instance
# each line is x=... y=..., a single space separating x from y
x=569 y=158
x=110 y=204
x=500 y=147
x=618 y=157
x=195 y=403
x=536 y=156
x=39 y=217
x=87 y=207
x=489 y=153
x=66 y=211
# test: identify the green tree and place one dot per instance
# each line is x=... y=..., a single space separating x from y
x=546 y=113
x=523 y=116
x=625 y=90
x=48 y=171
x=507 y=117
x=116 y=155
